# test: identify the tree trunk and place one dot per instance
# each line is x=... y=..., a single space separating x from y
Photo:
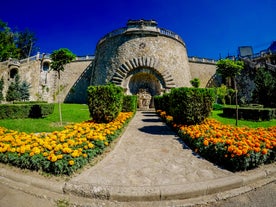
x=236 y=100
x=59 y=102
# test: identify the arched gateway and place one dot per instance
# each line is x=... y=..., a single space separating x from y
x=141 y=58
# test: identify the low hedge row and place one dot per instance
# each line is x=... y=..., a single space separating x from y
x=21 y=111
x=248 y=113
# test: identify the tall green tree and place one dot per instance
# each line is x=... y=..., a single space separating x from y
x=60 y=58
x=230 y=69
x=16 y=44
x=24 y=91
x=13 y=93
x=26 y=43
x=7 y=44
x=265 y=91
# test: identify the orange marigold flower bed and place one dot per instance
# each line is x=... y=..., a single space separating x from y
x=235 y=148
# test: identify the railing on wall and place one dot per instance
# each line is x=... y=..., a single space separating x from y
x=202 y=60
x=40 y=56
x=123 y=30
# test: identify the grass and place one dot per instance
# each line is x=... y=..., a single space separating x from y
x=241 y=123
x=71 y=113
x=75 y=113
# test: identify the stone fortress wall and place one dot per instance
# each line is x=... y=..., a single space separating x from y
x=139 y=56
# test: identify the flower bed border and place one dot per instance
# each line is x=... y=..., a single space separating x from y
x=238 y=151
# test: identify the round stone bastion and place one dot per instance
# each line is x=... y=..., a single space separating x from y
x=141 y=58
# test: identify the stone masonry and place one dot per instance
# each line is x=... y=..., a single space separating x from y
x=138 y=56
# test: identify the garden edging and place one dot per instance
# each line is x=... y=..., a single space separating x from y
x=169 y=192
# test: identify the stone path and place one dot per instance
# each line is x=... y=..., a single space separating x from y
x=149 y=154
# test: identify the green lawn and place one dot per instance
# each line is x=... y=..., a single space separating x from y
x=241 y=123
x=71 y=113
x=75 y=113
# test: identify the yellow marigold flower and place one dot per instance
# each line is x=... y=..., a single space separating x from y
x=53 y=158
x=90 y=145
x=71 y=162
x=106 y=143
x=59 y=157
x=75 y=153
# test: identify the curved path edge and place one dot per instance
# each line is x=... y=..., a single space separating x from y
x=170 y=192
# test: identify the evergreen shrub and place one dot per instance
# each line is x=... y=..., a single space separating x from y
x=162 y=102
x=105 y=102
x=190 y=105
x=22 y=111
x=250 y=113
x=129 y=103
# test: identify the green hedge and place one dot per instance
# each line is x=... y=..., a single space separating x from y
x=105 y=102
x=246 y=113
x=162 y=102
x=129 y=103
x=191 y=105
x=186 y=105
x=21 y=111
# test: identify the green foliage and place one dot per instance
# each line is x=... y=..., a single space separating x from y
x=221 y=93
x=217 y=106
x=25 y=42
x=129 y=103
x=7 y=45
x=105 y=102
x=24 y=91
x=217 y=114
x=21 y=111
x=18 y=91
x=250 y=113
x=162 y=102
x=60 y=58
x=191 y=105
x=195 y=82
x=1 y=89
x=265 y=91
x=229 y=68
x=16 y=44
x=186 y=105
x=13 y=93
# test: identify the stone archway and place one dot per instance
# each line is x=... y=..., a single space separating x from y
x=149 y=65
x=145 y=86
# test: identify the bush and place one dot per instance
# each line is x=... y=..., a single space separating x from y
x=21 y=111
x=217 y=106
x=162 y=102
x=190 y=105
x=248 y=113
x=105 y=102
x=129 y=103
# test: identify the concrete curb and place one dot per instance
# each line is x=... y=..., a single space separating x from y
x=43 y=183
x=168 y=192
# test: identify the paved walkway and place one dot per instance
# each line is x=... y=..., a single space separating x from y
x=149 y=163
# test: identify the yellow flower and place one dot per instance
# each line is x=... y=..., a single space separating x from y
x=71 y=162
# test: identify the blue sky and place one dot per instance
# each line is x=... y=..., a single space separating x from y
x=209 y=28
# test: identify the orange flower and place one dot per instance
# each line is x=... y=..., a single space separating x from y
x=264 y=151
x=205 y=142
